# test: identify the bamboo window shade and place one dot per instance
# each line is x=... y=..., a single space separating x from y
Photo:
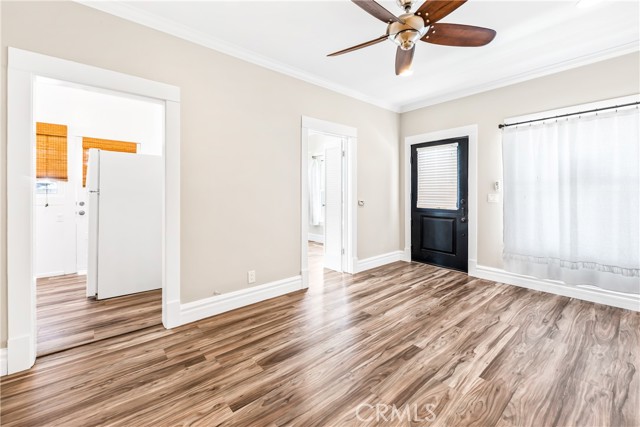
x=103 y=144
x=51 y=151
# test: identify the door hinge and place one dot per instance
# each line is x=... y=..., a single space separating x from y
x=342 y=153
x=342 y=251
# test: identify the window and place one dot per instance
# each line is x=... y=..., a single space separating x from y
x=438 y=177
x=51 y=151
x=103 y=144
x=46 y=187
x=572 y=200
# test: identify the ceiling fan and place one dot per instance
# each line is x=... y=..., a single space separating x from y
x=405 y=30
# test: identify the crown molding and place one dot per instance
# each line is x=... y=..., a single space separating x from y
x=167 y=26
x=558 y=67
x=133 y=14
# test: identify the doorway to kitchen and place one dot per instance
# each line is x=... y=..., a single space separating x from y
x=97 y=214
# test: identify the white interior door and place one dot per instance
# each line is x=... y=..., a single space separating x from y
x=333 y=205
x=129 y=229
x=81 y=209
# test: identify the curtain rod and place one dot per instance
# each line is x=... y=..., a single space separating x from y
x=595 y=110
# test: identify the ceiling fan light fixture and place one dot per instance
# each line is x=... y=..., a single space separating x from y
x=407 y=45
x=406 y=39
x=406 y=72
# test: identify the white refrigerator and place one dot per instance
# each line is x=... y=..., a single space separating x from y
x=125 y=223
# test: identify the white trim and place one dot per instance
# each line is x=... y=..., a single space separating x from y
x=185 y=33
x=325 y=126
x=379 y=260
x=523 y=77
x=318 y=238
x=350 y=135
x=88 y=75
x=23 y=68
x=3 y=361
x=192 y=311
x=600 y=296
x=470 y=132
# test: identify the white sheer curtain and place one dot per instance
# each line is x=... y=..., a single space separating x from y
x=572 y=200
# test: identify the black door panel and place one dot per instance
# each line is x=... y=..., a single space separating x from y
x=440 y=236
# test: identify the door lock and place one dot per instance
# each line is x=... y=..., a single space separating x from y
x=81 y=213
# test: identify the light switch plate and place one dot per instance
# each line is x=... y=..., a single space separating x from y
x=493 y=198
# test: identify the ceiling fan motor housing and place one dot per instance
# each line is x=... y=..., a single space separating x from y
x=405 y=35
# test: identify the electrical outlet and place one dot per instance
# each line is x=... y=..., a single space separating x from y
x=251 y=276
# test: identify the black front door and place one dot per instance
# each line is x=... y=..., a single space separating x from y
x=439 y=204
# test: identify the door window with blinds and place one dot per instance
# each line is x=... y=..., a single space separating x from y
x=437 y=177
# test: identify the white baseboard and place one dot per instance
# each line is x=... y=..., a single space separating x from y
x=22 y=355
x=196 y=310
x=601 y=296
x=3 y=361
x=319 y=238
x=81 y=272
x=379 y=260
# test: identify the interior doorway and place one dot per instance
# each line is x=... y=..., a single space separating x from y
x=98 y=213
x=23 y=68
x=328 y=198
x=326 y=168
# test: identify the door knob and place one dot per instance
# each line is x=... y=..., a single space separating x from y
x=463 y=219
x=81 y=213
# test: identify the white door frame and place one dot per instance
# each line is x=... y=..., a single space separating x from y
x=349 y=232
x=23 y=69
x=471 y=132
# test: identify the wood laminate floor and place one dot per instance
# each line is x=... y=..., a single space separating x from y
x=66 y=318
x=454 y=350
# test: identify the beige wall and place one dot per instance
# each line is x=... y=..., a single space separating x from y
x=241 y=141
x=603 y=80
x=240 y=144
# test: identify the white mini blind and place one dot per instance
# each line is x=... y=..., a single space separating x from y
x=438 y=177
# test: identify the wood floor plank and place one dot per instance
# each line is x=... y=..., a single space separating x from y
x=440 y=347
x=66 y=318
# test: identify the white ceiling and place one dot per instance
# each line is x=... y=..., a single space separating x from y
x=534 y=38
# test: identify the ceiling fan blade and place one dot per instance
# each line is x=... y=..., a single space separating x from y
x=403 y=60
x=458 y=35
x=434 y=10
x=360 y=46
x=377 y=11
